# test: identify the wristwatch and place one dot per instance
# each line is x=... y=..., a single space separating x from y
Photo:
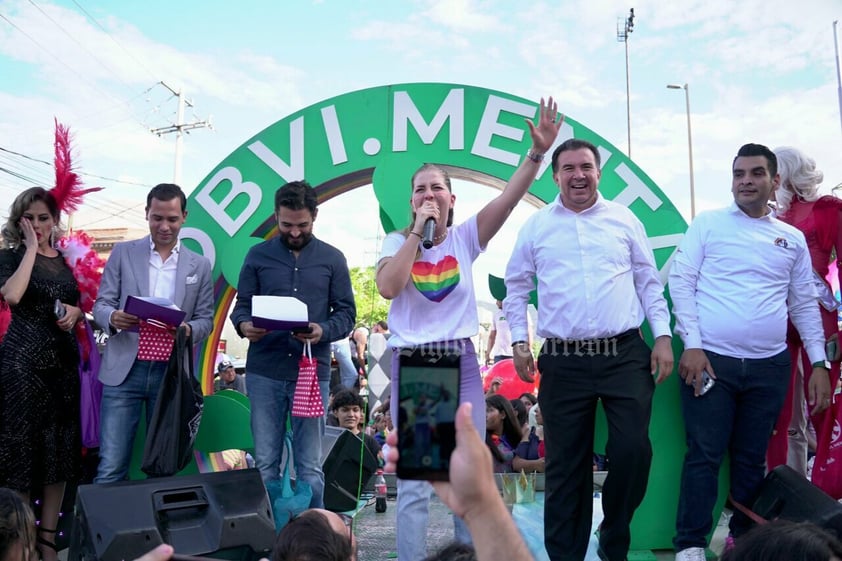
x=822 y=364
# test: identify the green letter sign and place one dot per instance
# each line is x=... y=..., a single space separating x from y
x=380 y=136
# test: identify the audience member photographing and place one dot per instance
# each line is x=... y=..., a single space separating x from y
x=472 y=493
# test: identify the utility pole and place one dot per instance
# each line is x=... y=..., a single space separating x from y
x=180 y=127
x=624 y=27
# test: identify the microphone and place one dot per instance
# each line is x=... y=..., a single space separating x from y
x=429 y=232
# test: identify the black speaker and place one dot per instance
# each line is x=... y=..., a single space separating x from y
x=344 y=460
x=224 y=515
x=787 y=495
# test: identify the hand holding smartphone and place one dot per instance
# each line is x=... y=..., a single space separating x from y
x=428 y=396
x=831 y=349
x=707 y=383
x=58 y=309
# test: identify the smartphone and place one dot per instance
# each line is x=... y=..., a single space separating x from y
x=58 y=309
x=305 y=329
x=707 y=383
x=428 y=396
x=182 y=557
x=830 y=349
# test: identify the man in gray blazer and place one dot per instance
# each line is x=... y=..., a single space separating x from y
x=155 y=265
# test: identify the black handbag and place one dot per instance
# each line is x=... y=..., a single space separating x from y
x=178 y=411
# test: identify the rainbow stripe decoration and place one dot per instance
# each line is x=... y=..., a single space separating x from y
x=208 y=462
x=436 y=280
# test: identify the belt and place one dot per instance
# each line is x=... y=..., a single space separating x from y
x=596 y=346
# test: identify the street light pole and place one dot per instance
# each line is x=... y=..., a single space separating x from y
x=686 y=88
x=624 y=27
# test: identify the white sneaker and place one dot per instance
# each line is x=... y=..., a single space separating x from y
x=691 y=554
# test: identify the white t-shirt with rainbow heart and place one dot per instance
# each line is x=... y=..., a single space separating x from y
x=438 y=302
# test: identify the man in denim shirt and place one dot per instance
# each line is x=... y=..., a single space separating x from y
x=295 y=264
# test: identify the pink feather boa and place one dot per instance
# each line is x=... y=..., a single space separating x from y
x=86 y=266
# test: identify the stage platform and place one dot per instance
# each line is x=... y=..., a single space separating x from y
x=375 y=532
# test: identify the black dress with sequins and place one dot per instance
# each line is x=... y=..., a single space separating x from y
x=40 y=441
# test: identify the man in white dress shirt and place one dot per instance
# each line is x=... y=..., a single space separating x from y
x=597 y=280
x=155 y=265
x=737 y=274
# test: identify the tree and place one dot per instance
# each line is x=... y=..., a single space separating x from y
x=371 y=307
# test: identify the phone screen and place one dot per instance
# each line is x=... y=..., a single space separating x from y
x=428 y=396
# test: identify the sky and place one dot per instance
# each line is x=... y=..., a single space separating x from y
x=758 y=71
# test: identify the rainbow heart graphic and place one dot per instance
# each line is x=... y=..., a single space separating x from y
x=436 y=280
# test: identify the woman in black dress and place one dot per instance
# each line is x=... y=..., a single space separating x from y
x=40 y=443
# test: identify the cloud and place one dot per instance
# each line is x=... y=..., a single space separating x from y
x=756 y=69
x=464 y=15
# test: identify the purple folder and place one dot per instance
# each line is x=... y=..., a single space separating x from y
x=158 y=309
x=277 y=324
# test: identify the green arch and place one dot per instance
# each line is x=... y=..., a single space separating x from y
x=380 y=136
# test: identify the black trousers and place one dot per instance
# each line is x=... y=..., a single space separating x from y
x=574 y=375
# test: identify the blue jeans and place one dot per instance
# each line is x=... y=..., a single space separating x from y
x=271 y=402
x=413 y=516
x=737 y=415
x=342 y=353
x=120 y=414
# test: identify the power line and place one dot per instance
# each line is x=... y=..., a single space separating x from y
x=81 y=46
x=120 y=214
x=58 y=60
x=83 y=173
x=20 y=176
x=118 y=105
x=82 y=79
x=116 y=210
x=134 y=58
x=39 y=174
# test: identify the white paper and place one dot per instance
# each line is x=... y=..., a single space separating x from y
x=281 y=312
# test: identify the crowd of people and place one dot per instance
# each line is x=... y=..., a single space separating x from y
x=752 y=268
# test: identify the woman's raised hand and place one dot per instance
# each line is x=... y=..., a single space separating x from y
x=30 y=240
x=549 y=123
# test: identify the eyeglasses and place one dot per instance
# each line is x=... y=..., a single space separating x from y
x=348 y=521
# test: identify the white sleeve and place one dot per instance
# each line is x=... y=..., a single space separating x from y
x=391 y=244
x=520 y=281
x=683 y=276
x=647 y=281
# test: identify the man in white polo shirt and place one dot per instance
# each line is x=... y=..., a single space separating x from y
x=736 y=276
